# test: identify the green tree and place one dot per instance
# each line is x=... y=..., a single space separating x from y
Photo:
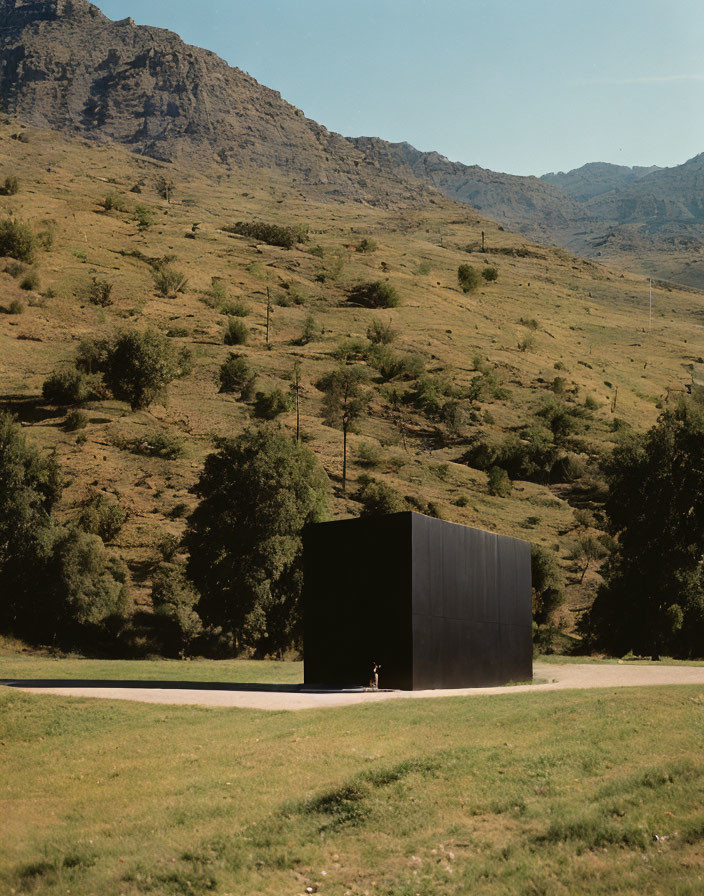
x=56 y=584
x=138 y=366
x=174 y=600
x=548 y=595
x=345 y=403
x=652 y=599
x=256 y=492
x=29 y=488
x=236 y=375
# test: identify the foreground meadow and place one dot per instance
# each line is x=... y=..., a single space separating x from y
x=572 y=792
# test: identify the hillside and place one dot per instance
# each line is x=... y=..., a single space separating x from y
x=551 y=329
x=65 y=65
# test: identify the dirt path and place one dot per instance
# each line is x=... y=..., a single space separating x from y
x=558 y=677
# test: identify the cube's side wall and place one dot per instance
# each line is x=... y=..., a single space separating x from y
x=472 y=624
x=357 y=602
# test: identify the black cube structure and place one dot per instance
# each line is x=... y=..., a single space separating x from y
x=437 y=605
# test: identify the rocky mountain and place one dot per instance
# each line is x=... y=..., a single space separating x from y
x=66 y=66
x=596 y=178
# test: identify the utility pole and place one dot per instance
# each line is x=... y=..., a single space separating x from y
x=650 y=319
x=268 y=313
x=296 y=389
x=483 y=249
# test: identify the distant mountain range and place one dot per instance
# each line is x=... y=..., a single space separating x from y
x=66 y=66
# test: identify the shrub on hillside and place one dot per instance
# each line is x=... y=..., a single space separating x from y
x=169 y=281
x=75 y=421
x=237 y=376
x=11 y=186
x=236 y=332
x=367 y=244
x=378 y=498
x=499 y=483
x=159 y=443
x=102 y=517
x=100 y=292
x=273 y=234
x=381 y=332
x=311 y=330
x=468 y=277
x=490 y=274
x=66 y=387
x=17 y=240
x=375 y=294
x=114 y=202
x=269 y=405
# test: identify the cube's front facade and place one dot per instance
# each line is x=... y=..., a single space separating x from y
x=435 y=604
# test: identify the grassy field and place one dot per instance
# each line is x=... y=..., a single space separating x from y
x=234 y=671
x=554 y=793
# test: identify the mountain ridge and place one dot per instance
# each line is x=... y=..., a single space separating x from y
x=65 y=65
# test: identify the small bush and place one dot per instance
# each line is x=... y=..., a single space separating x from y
x=367 y=244
x=238 y=308
x=369 y=454
x=168 y=547
x=499 y=484
x=11 y=186
x=65 y=388
x=30 y=281
x=16 y=307
x=590 y=403
x=17 y=240
x=102 y=517
x=380 y=332
x=114 y=202
x=273 y=234
x=144 y=217
x=217 y=294
x=159 y=443
x=75 y=420
x=527 y=343
x=15 y=269
x=236 y=332
x=468 y=277
x=169 y=281
x=376 y=294
x=100 y=292
x=532 y=324
x=269 y=405
x=461 y=501
x=178 y=332
x=237 y=376
x=311 y=330
x=490 y=274
x=378 y=498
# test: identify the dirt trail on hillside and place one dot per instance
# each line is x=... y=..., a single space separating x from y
x=558 y=677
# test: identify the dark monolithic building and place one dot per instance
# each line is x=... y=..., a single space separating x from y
x=435 y=604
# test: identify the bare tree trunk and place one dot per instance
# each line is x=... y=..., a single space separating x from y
x=344 y=461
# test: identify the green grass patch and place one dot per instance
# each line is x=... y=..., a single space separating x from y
x=560 y=792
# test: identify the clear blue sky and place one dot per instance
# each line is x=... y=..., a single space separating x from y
x=524 y=86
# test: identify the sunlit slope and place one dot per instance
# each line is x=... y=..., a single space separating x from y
x=545 y=308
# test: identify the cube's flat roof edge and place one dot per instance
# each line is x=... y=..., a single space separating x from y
x=412 y=515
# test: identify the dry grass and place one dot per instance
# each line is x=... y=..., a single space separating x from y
x=590 y=319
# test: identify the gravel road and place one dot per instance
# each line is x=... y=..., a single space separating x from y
x=557 y=677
